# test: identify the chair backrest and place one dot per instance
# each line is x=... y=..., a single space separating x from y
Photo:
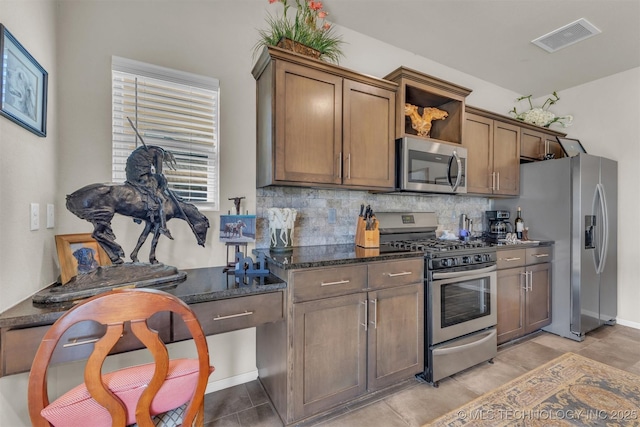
x=113 y=309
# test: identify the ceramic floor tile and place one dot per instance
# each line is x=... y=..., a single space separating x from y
x=259 y=416
x=528 y=355
x=615 y=350
x=256 y=393
x=564 y=344
x=486 y=376
x=225 y=402
x=376 y=414
x=422 y=403
x=228 y=421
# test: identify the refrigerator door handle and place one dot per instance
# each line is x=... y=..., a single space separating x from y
x=604 y=244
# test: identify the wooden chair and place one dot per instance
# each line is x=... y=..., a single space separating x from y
x=129 y=395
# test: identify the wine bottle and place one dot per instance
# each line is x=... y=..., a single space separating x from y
x=519 y=224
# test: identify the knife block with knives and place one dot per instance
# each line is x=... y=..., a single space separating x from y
x=367 y=232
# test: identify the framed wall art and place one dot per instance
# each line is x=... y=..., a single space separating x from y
x=79 y=254
x=23 y=86
x=237 y=228
x=571 y=147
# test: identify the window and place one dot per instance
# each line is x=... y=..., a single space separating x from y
x=175 y=110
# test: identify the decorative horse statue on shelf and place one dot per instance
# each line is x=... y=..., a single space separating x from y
x=98 y=204
x=422 y=124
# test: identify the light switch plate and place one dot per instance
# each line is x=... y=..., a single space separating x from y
x=50 y=216
x=34 y=216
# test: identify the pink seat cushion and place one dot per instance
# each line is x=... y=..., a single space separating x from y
x=77 y=408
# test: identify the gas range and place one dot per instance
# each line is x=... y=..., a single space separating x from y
x=417 y=232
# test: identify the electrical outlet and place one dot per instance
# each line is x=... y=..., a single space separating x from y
x=50 y=216
x=34 y=216
x=332 y=216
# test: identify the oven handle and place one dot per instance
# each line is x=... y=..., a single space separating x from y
x=456 y=274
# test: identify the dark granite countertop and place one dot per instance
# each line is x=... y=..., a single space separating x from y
x=201 y=285
x=328 y=255
x=526 y=244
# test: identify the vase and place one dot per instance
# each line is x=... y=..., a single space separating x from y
x=299 y=48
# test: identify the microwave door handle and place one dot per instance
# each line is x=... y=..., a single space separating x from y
x=459 y=176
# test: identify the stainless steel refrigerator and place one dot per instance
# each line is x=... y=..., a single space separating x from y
x=573 y=201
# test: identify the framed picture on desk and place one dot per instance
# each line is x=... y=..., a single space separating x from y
x=571 y=147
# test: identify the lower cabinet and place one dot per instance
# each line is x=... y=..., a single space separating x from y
x=334 y=349
x=524 y=291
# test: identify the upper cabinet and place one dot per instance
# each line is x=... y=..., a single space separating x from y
x=493 y=152
x=322 y=125
x=537 y=143
x=424 y=91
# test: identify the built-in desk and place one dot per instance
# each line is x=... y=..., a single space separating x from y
x=220 y=300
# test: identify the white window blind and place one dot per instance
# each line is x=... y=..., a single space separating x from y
x=175 y=110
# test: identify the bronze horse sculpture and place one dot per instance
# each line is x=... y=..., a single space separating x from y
x=98 y=204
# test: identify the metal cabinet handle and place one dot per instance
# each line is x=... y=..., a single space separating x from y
x=528 y=280
x=339 y=282
x=231 y=316
x=340 y=165
x=349 y=166
x=76 y=343
x=540 y=255
x=366 y=316
x=493 y=180
x=375 y=313
x=498 y=189
x=512 y=259
x=404 y=273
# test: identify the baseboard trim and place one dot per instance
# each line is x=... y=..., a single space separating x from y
x=231 y=381
x=623 y=322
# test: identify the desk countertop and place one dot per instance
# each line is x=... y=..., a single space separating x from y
x=201 y=285
x=330 y=255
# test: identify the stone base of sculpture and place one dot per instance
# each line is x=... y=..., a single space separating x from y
x=133 y=275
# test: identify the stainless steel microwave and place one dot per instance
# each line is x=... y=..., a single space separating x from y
x=430 y=167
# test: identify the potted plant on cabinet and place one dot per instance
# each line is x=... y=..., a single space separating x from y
x=307 y=32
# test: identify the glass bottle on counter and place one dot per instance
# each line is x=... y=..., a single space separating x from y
x=519 y=224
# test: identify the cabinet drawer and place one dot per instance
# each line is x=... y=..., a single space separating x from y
x=538 y=255
x=511 y=258
x=19 y=346
x=328 y=282
x=395 y=273
x=232 y=314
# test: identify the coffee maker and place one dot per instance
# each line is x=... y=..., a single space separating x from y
x=498 y=225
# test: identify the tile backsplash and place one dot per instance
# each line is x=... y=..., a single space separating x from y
x=315 y=224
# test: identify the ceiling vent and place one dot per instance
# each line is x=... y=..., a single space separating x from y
x=567 y=35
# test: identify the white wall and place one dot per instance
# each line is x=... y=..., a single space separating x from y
x=213 y=38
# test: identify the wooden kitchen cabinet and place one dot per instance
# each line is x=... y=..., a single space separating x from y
x=536 y=144
x=423 y=90
x=524 y=291
x=322 y=125
x=493 y=154
x=351 y=329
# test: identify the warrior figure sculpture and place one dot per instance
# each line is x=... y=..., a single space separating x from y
x=144 y=172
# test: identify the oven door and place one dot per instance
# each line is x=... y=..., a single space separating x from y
x=461 y=302
x=426 y=166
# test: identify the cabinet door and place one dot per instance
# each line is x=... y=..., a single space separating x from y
x=396 y=332
x=506 y=158
x=531 y=144
x=511 y=296
x=329 y=345
x=553 y=147
x=478 y=137
x=308 y=125
x=538 y=303
x=368 y=142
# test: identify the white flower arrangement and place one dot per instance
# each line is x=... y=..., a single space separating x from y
x=541 y=116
